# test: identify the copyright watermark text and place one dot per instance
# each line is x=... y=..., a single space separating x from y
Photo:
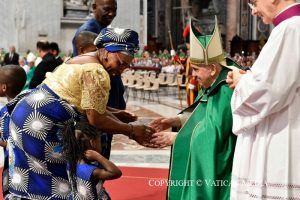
x=188 y=183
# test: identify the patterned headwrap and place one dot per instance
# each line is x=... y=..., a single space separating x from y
x=118 y=40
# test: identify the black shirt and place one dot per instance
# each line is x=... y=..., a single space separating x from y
x=48 y=64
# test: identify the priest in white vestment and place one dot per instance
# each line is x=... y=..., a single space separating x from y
x=266 y=110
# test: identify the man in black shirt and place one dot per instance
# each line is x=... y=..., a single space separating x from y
x=48 y=64
x=54 y=49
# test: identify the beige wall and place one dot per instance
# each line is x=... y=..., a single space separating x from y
x=23 y=22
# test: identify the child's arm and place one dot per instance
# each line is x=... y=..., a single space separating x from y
x=110 y=171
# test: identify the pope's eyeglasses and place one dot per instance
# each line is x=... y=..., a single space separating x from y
x=252 y=4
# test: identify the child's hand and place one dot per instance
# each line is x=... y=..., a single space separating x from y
x=91 y=155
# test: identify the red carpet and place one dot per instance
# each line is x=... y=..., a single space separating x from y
x=139 y=184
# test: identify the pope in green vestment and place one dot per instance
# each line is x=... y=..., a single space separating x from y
x=202 y=153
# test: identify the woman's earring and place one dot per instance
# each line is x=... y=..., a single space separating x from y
x=106 y=56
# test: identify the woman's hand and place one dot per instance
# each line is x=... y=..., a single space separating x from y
x=142 y=134
x=125 y=116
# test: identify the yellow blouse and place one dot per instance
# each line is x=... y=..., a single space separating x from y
x=86 y=86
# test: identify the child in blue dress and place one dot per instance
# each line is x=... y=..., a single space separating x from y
x=12 y=80
x=91 y=169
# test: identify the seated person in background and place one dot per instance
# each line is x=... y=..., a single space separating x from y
x=22 y=63
x=31 y=58
x=12 y=80
x=85 y=175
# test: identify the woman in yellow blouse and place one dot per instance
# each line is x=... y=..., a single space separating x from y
x=43 y=120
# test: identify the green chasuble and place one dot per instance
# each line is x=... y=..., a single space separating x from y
x=29 y=76
x=203 y=151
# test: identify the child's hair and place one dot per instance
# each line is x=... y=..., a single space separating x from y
x=14 y=77
x=85 y=39
x=84 y=133
x=75 y=144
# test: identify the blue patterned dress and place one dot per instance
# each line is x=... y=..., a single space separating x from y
x=87 y=189
x=37 y=165
x=4 y=129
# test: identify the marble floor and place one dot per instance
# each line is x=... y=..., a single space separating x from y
x=126 y=152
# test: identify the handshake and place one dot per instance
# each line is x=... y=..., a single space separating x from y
x=157 y=134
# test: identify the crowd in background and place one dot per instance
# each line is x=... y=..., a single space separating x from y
x=165 y=61
x=143 y=58
x=245 y=61
x=31 y=60
x=161 y=61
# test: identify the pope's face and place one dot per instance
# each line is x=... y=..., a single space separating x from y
x=203 y=74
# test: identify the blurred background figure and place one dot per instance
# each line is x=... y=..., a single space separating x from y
x=2 y=55
x=11 y=57
x=48 y=63
x=31 y=58
x=22 y=63
x=54 y=49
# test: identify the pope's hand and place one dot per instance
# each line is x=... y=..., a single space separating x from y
x=161 y=124
x=163 y=139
